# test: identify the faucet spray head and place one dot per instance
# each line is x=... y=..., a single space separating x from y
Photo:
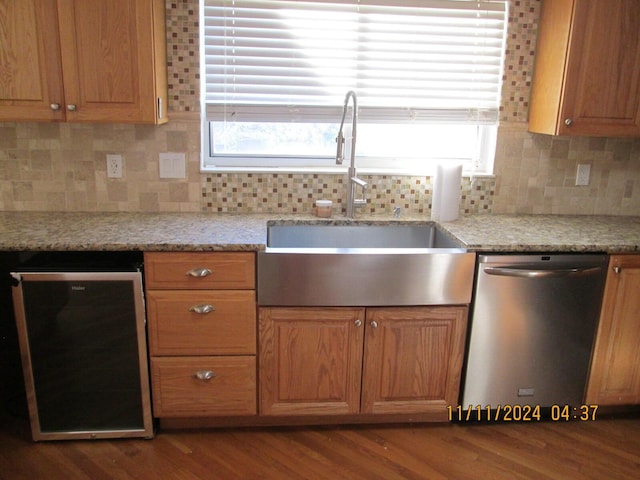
x=340 y=137
x=340 y=152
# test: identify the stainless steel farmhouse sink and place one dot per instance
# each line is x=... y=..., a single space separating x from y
x=354 y=236
x=363 y=264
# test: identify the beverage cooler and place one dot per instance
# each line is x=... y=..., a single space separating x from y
x=81 y=330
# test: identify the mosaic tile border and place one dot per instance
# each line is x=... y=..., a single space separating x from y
x=183 y=57
x=296 y=193
x=519 y=58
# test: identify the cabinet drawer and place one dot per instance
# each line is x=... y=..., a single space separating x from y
x=200 y=270
x=176 y=328
x=177 y=390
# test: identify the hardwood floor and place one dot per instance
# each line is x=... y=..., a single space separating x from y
x=602 y=449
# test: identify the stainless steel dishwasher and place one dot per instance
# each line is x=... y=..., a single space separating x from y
x=533 y=324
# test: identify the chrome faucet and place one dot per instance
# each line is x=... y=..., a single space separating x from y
x=352 y=180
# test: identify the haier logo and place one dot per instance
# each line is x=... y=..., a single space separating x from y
x=79 y=288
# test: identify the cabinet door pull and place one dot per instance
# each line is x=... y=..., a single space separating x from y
x=199 y=272
x=55 y=107
x=202 y=309
x=568 y=122
x=374 y=324
x=71 y=107
x=358 y=323
x=617 y=269
x=204 y=375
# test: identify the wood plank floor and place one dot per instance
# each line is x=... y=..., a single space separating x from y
x=602 y=449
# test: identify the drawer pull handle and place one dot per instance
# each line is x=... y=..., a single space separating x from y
x=199 y=272
x=202 y=309
x=204 y=375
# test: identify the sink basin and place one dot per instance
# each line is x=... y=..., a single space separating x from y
x=363 y=265
x=358 y=236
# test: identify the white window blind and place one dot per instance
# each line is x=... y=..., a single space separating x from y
x=278 y=60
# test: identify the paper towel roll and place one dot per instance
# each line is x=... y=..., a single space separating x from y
x=445 y=202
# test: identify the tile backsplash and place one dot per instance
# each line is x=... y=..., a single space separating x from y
x=62 y=167
x=297 y=193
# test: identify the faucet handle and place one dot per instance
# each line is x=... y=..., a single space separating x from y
x=360 y=182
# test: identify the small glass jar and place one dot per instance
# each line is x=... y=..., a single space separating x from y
x=324 y=208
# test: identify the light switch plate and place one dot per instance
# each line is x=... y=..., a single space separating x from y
x=172 y=165
x=582 y=174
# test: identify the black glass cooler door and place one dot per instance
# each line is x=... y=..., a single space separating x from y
x=87 y=367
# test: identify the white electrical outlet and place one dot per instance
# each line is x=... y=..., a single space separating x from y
x=114 y=166
x=172 y=165
x=582 y=174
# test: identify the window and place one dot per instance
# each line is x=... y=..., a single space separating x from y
x=427 y=76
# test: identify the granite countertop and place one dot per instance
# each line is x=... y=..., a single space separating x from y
x=101 y=231
x=547 y=233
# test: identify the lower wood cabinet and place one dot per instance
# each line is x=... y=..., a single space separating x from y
x=615 y=366
x=201 y=310
x=329 y=361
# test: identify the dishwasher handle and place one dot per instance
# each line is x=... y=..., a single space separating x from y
x=542 y=273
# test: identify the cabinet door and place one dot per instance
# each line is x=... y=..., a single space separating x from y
x=615 y=367
x=602 y=92
x=110 y=51
x=413 y=359
x=587 y=74
x=310 y=360
x=30 y=70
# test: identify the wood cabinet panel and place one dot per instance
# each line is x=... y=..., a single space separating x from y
x=615 y=368
x=587 y=73
x=310 y=360
x=228 y=270
x=108 y=60
x=412 y=359
x=84 y=61
x=176 y=327
x=177 y=390
x=30 y=69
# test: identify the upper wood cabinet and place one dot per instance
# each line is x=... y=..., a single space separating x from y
x=83 y=61
x=615 y=367
x=587 y=69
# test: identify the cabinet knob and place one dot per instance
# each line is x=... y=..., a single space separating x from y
x=71 y=107
x=55 y=107
x=617 y=269
x=374 y=324
x=202 y=309
x=199 y=272
x=568 y=122
x=204 y=375
x=358 y=323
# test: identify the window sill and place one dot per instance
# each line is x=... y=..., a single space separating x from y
x=334 y=171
